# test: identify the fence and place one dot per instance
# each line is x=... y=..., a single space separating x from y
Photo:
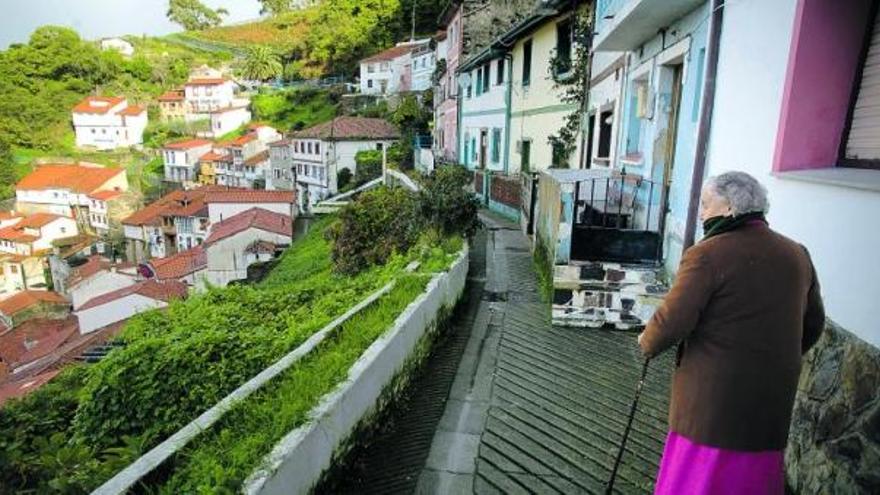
x=500 y=192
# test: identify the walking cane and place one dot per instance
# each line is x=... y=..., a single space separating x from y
x=632 y=413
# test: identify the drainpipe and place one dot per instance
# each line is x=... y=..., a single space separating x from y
x=508 y=61
x=705 y=121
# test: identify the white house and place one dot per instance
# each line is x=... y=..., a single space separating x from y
x=242 y=239
x=424 y=61
x=106 y=122
x=320 y=152
x=176 y=222
x=126 y=302
x=225 y=204
x=182 y=160
x=34 y=234
x=228 y=119
x=96 y=277
x=484 y=114
x=211 y=97
x=280 y=176
x=189 y=266
x=118 y=44
x=67 y=190
x=391 y=71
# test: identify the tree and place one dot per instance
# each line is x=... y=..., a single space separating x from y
x=275 y=7
x=261 y=64
x=193 y=15
x=7 y=171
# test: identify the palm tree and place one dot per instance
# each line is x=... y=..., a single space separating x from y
x=261 y=64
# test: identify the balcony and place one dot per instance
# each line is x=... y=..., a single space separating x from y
x=624 y=25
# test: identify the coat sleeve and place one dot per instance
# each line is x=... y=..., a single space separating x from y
x=814 y=316
x=680 y=311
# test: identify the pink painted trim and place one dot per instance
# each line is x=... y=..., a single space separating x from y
x=789 y=81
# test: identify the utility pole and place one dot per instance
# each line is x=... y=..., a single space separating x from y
x=412 y=36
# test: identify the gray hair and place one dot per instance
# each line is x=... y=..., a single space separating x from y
x=742 y=192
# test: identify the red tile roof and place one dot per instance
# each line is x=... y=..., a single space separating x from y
x=132 y=110
x=206 y=81
x=173 y=95
x=280 y=142
x=20 y=388
x=213 y=156
x=181 y=264
x=97 y=104
x=9 y=215
x=105 y=195
x=28 y=299
x=249 y=196
x=13 y=233
x=93 y=266
x=178 y=203
x=34 y=339
x=257 y=218
x=153 y=289
x=392 y=53
x=187 y=144
x=350 y=129
x=78 y=178
x=243 y=140
x=38 y=220
x=258 y=158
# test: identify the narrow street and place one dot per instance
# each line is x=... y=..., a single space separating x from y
x=508 y=403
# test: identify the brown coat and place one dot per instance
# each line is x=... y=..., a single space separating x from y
x=745 y=306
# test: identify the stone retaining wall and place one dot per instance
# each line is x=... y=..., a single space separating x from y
x=834 y=445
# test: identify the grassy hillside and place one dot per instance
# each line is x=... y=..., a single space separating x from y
x=288 y=109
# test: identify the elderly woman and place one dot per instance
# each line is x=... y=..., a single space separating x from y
x=744 y=307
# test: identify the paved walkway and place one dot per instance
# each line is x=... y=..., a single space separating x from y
x=511 y=404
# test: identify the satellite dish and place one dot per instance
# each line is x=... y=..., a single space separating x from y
x=464 y=80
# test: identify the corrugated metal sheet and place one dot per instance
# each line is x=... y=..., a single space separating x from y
x=864 y=137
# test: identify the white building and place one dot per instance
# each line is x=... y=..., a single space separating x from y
x=108 y=122
x=320 y=152
x=118 y=44
x=98 y=276
x=484 y=112
x=176 y=222
x=68 y=190
x=391 y=71
x=182 y=160
x=424 y=61
x=281 y=171
x=226 y=120
x=242 y=239
x=225 y=204
x=34 y=234
x=188 y=266
x=213 y=99
x=126 y=302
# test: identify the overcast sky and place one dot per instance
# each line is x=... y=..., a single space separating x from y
x=99 y=18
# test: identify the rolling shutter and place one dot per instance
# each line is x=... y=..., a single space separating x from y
x=863 y=142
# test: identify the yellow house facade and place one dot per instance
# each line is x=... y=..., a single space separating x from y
x=536 y=107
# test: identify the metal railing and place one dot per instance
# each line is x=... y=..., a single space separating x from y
x=623 y=202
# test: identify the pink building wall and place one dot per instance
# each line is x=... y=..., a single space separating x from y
x=825 y=48
x=447 y=110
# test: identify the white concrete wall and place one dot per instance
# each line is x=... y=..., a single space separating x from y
x=381 y=75
x=121 y=309
x=298 y=460
x=487 y=111
x=56 y=229
x=837 y=224
x=227 y=260
x=228 y=121
x=207 y=98
x=98 y=284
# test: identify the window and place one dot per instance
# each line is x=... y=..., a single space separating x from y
x=380 y=146
x=473 y=149
x=13 y=268
x=526 y=155
x=862 y=135
x=486 y=72
x=370 y=69
x=317 y=148
x=309 y=148
x=499 y=72
x=496 y=145
x=527 y=63
x=559 y=159
x=470 y=85
x=479 y=81
x=604 y=150
x=563 y=45
x=63 y=230
x=369 y=83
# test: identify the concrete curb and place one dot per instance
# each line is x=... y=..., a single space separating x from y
x=297 y=462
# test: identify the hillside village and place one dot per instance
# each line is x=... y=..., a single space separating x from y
x=584 y=131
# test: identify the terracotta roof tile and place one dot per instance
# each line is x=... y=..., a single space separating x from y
x=350 y=129
x=187 y=144
x=181 y=264
x=206 y=81
x=393 y=52
x=258 y=158
x=38 y=220
x=77 y=178
x=97 y=104
x=34 y=339
x=213 y=156
x=173 y=95
x=243 y=140
x=257 y=218
x=153 y=289
x=105 y=195
x=20 y=388
x=132 y=110
x=94 y=265
x=249 y=196
x=29 y=298
x=174 y=204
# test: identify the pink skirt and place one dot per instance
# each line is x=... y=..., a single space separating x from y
x=688 y=468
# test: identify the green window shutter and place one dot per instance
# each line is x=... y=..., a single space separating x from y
x=496 y=145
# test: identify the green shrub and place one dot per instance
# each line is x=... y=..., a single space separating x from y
x=369 y=166
x=373 y=227
x=343 y=178
x=446 y=204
